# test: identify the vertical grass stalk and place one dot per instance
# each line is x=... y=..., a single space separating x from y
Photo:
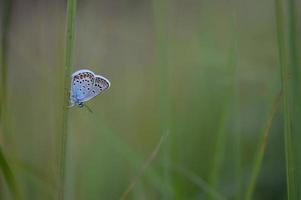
x=286 y=114
x=70 y=23
x=6 y=10
x=5 y=169
x=219 y=153
x=294 y=99
x=291 y=93
x=236 y=102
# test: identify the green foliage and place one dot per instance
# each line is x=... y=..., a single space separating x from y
x=9 y=176
x=205 y=73
x=290 y=74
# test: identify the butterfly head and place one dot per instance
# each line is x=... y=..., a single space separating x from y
x=80 y=104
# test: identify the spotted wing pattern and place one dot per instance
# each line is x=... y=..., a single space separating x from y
x=85 y=85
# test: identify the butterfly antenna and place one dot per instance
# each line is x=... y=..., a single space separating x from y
x=89 y=109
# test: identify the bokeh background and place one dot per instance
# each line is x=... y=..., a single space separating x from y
x=200 y=76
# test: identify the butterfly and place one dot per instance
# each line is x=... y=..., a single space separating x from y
x=86 y=85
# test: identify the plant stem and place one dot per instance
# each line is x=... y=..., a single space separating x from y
x=291 y=95
x=219 y=149
x=70 y=23
x=4 y=165
x=237 y=103
x=3 y=60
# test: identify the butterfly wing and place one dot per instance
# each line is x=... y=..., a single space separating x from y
x=82 y=83
x=100 y=85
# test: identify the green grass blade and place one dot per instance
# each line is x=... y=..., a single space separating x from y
x=237 y=103
x=9 y=176
x=3 y=54
x=219 y=153
x=294 y=99
x=4 y=166
x=144 y=167
x=261 y=148
x=134 y=158
x=70 y=23
x=291 y=92
x=199 y=182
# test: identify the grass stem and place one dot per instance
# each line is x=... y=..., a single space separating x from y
x=70 y=23
x=3 y=56
x=8 y=174
x=291 y=93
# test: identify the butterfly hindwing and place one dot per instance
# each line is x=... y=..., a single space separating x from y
x=101 y=84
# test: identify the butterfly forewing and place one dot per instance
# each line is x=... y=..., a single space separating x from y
x=82 y=83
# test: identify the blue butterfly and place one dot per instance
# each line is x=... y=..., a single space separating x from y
x=86 y=85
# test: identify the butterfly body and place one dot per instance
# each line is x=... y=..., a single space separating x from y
x=86 y=85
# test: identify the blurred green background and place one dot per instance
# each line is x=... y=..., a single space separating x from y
x=201 y=74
